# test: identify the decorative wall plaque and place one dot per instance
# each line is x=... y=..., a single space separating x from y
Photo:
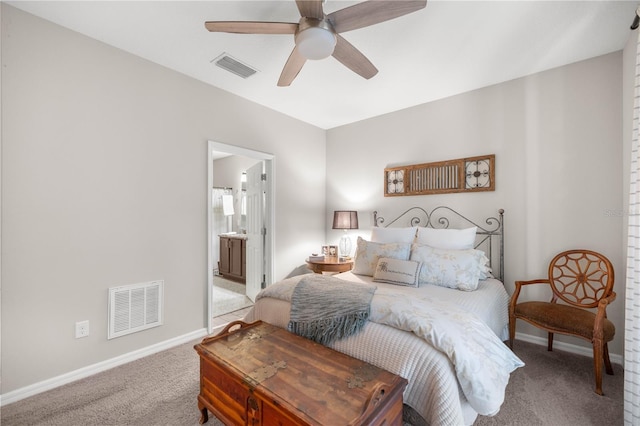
x=462 y=175
x=394 y=181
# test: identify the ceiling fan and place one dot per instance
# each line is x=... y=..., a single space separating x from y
x=317 y=36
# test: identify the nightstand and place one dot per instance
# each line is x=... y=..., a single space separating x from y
x=330 y=264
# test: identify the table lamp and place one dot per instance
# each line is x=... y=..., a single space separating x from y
x=345 y=219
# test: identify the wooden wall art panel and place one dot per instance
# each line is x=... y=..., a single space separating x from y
x=471 y=174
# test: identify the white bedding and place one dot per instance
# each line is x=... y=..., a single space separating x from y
x=434 y=390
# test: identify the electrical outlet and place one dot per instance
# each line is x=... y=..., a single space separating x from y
x=82 y=329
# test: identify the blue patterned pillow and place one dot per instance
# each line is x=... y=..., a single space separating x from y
x=368 y=253
x=461 y=269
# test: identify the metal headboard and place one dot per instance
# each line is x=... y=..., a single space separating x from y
x=488 y=234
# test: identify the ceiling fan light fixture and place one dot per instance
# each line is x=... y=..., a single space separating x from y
x=316 y=42
x=317 y=34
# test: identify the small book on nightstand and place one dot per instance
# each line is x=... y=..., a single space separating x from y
x=315 y=257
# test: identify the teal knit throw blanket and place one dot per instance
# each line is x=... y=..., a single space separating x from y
x=325 y=309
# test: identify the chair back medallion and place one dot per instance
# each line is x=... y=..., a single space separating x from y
x=581 y=277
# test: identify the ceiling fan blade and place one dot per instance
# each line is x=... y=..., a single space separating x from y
x=310 y=8
x=353 y=59
x=291 y=68
x=371 y=12
x=251 y=27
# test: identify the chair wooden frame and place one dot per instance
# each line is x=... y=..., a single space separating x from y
x=582 y=279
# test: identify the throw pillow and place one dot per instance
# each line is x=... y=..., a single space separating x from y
x=368 y=253
x=460 y=269
x=450 y=239
x=396 y=271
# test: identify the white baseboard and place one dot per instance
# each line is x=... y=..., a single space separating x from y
x=89 y=370
x=567 y=347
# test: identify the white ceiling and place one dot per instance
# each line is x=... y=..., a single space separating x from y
x=447 y=48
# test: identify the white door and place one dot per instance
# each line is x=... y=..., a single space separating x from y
x=255 y=230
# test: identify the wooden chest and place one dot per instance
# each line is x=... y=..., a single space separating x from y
x=260 y=374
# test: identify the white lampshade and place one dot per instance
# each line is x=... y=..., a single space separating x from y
x=315 y=43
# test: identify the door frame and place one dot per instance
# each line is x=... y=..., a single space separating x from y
x=269 y=219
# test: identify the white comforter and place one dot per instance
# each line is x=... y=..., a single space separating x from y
x=464 y=368
x=481 y=361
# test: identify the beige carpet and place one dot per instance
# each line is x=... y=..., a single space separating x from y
x=556 y=389
x=553 y=389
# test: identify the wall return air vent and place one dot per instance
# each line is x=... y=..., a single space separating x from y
x=231 y=64
x=135 y=307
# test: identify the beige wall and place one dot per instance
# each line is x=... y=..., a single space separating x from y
x=104 y=172
x=557 y=137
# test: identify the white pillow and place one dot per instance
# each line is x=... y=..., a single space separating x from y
x=396 y=271
x=393 y=235
x=461 y=269
x=453 y=239
x=368 y=253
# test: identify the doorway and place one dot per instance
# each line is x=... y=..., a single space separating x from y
x=259 y=267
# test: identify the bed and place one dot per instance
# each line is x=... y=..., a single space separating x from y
x=438 y=316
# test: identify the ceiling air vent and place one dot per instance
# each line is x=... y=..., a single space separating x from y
x=229 y=63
